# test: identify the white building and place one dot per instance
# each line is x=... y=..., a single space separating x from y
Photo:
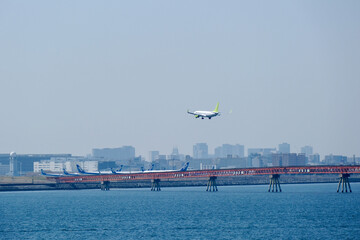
x=89 y=166
x=48 y=165
x=57 y=165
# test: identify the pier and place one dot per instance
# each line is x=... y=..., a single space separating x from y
x=214 y=175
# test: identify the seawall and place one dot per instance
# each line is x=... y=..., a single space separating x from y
x=41 y=183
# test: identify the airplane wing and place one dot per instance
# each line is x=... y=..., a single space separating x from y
x=196 y=114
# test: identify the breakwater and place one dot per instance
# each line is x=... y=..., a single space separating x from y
x=41 y=183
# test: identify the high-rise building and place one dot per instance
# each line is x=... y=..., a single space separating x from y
x=218 y=152
x=200 y=150
x=153 y=155
x=174 y=154
x=284 y=148
x=307 y=150
x=238 y=150
x=229 y=150
x=175 y=151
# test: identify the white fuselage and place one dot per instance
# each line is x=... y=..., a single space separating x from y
x=160 y=171
x=206 y=113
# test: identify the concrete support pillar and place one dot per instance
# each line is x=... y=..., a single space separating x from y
x=105 y=186
x=344 y=183
x=155 y=185
x=274 y=183
x=211 y=185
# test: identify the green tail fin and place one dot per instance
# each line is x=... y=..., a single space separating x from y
x=216 y=108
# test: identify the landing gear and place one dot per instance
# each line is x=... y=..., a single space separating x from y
x=209 y=118
x=202 y=118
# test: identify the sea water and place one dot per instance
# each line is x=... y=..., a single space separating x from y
x=307 y=211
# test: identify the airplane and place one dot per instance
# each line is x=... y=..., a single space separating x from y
x=83 y=172
x=183 y=169
x=152 y=167
x=151 y=170
x=206 y=114
x=50 y=175
x=69 y=174
x=114 y=171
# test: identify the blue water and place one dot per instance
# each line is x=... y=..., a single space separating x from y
x=311 y=211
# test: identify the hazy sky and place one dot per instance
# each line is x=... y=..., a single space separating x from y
x=77 y=75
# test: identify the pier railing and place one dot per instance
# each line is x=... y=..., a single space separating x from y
x=299 y=170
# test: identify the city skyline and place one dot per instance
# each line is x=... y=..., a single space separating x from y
x=120 y=73
x=130 y=151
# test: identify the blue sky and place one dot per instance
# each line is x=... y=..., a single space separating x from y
x=90 y=74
